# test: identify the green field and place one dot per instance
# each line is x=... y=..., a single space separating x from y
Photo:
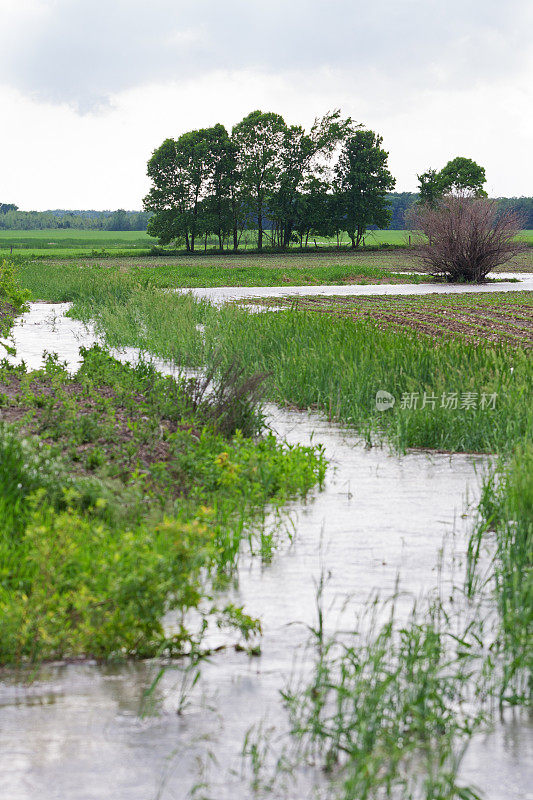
x=72 y=243
x=66 y=242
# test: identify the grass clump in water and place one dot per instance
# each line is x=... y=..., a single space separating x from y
x=506 y=531
x=388 y=711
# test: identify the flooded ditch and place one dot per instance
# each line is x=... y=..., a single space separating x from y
x=83 y=731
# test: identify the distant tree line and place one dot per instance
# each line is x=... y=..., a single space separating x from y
x=11 y=218
x=399 y=204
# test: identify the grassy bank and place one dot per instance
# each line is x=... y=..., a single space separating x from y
x=125 y=496
x=70 y=281
x=456 y=396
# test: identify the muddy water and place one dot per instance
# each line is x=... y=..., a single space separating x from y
x=77 y=731
x=221 y=294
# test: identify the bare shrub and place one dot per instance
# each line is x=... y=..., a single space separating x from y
x=464 y=238
x=229 y=397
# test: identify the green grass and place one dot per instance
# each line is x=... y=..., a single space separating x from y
x=338 y=365
x=60 y=282
x=13 y=300
x=138 y=504
x=251 y=275
x=59 y=239
x=71 y=242
x=506 y=529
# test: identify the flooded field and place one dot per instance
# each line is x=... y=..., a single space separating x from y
x=86 y=731
x=225 y=293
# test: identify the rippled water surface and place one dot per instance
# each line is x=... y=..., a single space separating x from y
x=76 y=731
x=220 y=294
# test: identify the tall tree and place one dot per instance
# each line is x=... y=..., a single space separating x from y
x=169 y=197
x=304 y=157
x=221 y=203
x=362 y=181
x=181 y=172
x=258 y=140
x=430 y=187
x=464 y=177
x=461 y=176
x=312 y=210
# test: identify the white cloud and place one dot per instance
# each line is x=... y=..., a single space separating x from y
x=91 y=88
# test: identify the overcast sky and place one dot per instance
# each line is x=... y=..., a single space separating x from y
x=88 y=88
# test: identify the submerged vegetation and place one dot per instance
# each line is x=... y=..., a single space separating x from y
x=506 y=530
x=126 y=496
x=390 y=708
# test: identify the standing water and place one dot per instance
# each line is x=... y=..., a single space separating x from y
x=83 y=731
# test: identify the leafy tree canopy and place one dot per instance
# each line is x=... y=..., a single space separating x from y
x=363 y=180
x=461 y=176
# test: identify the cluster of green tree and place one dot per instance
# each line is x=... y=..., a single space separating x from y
x=13 y=219
x=399 y=204
x=521 y=205
x=277 y=179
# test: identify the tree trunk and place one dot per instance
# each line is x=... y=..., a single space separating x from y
x=260 y=231
x=287 y=232
x=187 y=245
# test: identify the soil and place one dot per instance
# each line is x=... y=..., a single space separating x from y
x=128 y=440
x=496 y=318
